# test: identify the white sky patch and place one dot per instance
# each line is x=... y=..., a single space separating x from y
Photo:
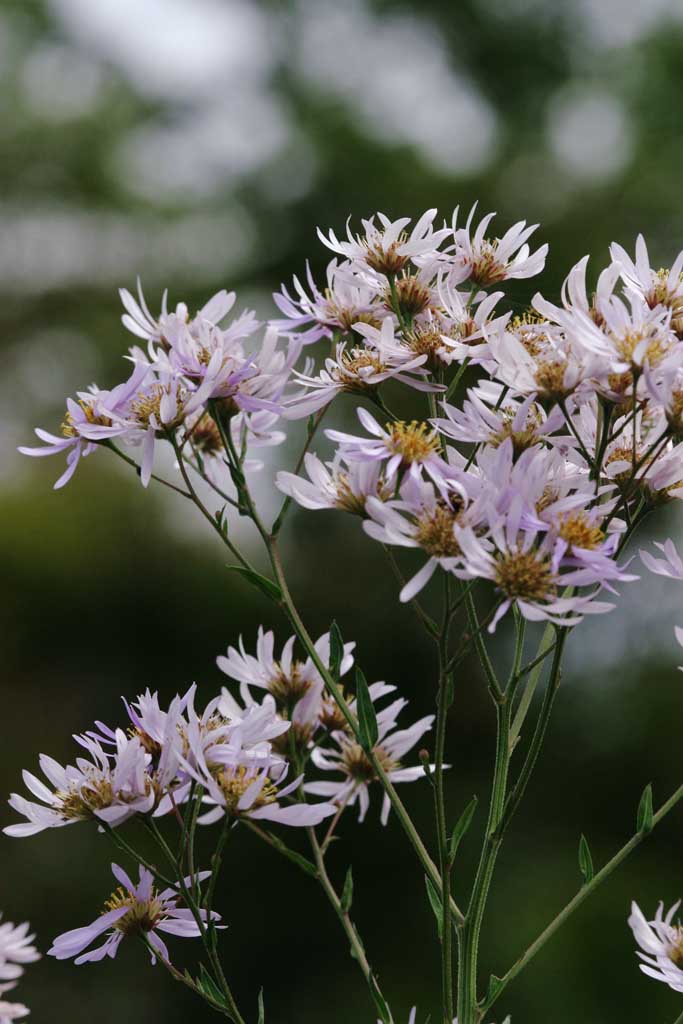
x=396 y=73
x=60 y=84
x=613 y=24
x=62 y=246
x=201 y=151
x=172 y=48
x=589 y=133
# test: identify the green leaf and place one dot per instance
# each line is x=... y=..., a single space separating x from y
x=262 y=583
x=347 y=892
x=296 y=858
x=463 y=824
x=261 y=1009
x=494 y=986
x=436 y=905
x=336 y=651
x=380 y=1001
x=645 y=819
x=367 y=719
x=208 y=987
x=585 y=860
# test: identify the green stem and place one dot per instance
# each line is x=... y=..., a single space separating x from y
x=357 y=950
x=440 y=809
x=582 y=895
x=468 y=936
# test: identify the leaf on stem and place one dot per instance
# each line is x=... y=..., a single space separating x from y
x=261 y=1008
x=645 y=820
x=367 y=719
x=380 y=1001
x=347 y=892
x=436 y=905
x=208 y=987
x=585 y=861
x=493 y=988
x=463 y=824
x=262 y=583
x=336 y=651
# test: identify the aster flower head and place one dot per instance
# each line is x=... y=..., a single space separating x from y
x=387 y=248
x=467 y=323
x=16 y=950
x=133 y=910
x=661 y=944
x=401 y=447
x=347 y=758
x=485 y=261
x=337 y=484
x=286 y=678
x=529 y=570
x=104 y=787
x=349 y=298
x=12 y=1011
x=360 y=369
x=490 y=417
x=423 y=518
x=663 y=287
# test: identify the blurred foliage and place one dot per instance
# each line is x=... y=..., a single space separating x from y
x=109 y=590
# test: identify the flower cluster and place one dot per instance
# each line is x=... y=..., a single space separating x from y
x=545 y=437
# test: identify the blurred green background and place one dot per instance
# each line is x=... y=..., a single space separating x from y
x=199 y=143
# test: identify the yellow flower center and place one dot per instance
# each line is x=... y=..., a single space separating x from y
x=526 y=575
x=414 y=441
x=141 y=916
x=435 y=532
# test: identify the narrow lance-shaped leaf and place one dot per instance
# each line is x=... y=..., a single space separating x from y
x=262 y=583
x=436 y=905
x=463 y=824
x=207 y=986
x=645 y=811
x=585 y=860
x=261 y=1008
x=347 y=892
x=380 y=1001
x=367 y=719
x=336 y=651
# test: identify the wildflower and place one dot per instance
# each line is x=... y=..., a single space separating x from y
x=421 y=518
x=670 y=565
x=133 y=910
x=16 y=950
x=336 y=484
x=387 y=249
x=468 y=323
x=486 y=261
x=140 y=322
x=348 y=758
x=661 y=945
x=485 y=418
x=108 y=788
x=404 y=447
x=656 y=287
x=528 y=570
x=347 y=300
x=286 y=678
x=360 y=369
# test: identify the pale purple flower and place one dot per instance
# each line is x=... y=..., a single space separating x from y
x=286 y=677
x=484 y=417
x=401 y=448
x=670 y=565
x=108 y=787
x=360 y=369
x=528 y=569
x=16 y=950
x=656 y=287
x=349 y=759
x=347 y=299
x=468 y=323
x=140 y=322
x=486 y=261
x=133 y=910
x=336 y=484
x=11 y=1011
x=421 y=518
x=389 y=248
x=661 y=945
